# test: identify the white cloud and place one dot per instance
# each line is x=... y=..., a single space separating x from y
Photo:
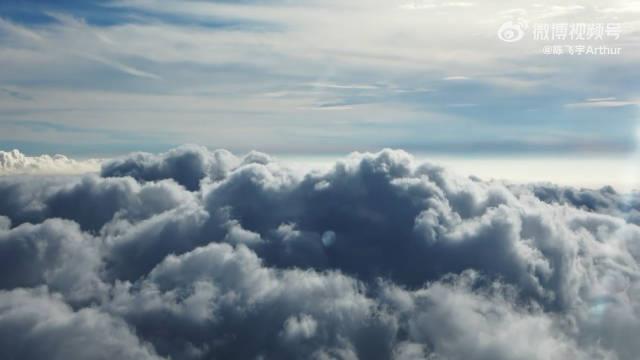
x=188 y=80
x=454 y=78
x=603 y=103
x=122 y=67
x=14 y=162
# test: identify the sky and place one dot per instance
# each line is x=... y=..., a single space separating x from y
x=102 y=78
x=280 y=179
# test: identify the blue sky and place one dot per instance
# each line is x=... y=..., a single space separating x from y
x=311 y=77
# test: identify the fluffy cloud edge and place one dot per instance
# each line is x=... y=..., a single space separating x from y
x=15 y=162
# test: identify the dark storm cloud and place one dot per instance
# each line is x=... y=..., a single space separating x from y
x=378 y=257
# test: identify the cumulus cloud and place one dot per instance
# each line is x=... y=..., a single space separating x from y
x=605 y=200
x=187 y=165
x=15 y=162
x=90 y=201
x=463 y=322
x=201 y=254
x=37 y=325
x=227 y=294
x=55 y=253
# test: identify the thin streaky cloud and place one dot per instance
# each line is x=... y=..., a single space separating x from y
x=124 y=68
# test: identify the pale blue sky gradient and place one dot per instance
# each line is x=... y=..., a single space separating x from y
x=96 y=78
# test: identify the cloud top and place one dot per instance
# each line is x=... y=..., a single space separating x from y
x=14 y=162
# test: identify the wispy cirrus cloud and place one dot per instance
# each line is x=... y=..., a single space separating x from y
x=603 y=102
x=216 y=62
x=121 y=67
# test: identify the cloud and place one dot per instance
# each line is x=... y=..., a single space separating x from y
x=187 y=165
x=220 y=290
x=90 y=201
x=460 y=322
x=37 y=325
x=604 y=200
x=55 y=253
x=603 y=103
x=96 y=67
x=19 y=31
x=225 y=292
x=122 y=67
x=456 y=78
x=195 y=253
x=15 y=162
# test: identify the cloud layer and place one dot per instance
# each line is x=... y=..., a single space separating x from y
x=14 y=162
x=198 y=254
